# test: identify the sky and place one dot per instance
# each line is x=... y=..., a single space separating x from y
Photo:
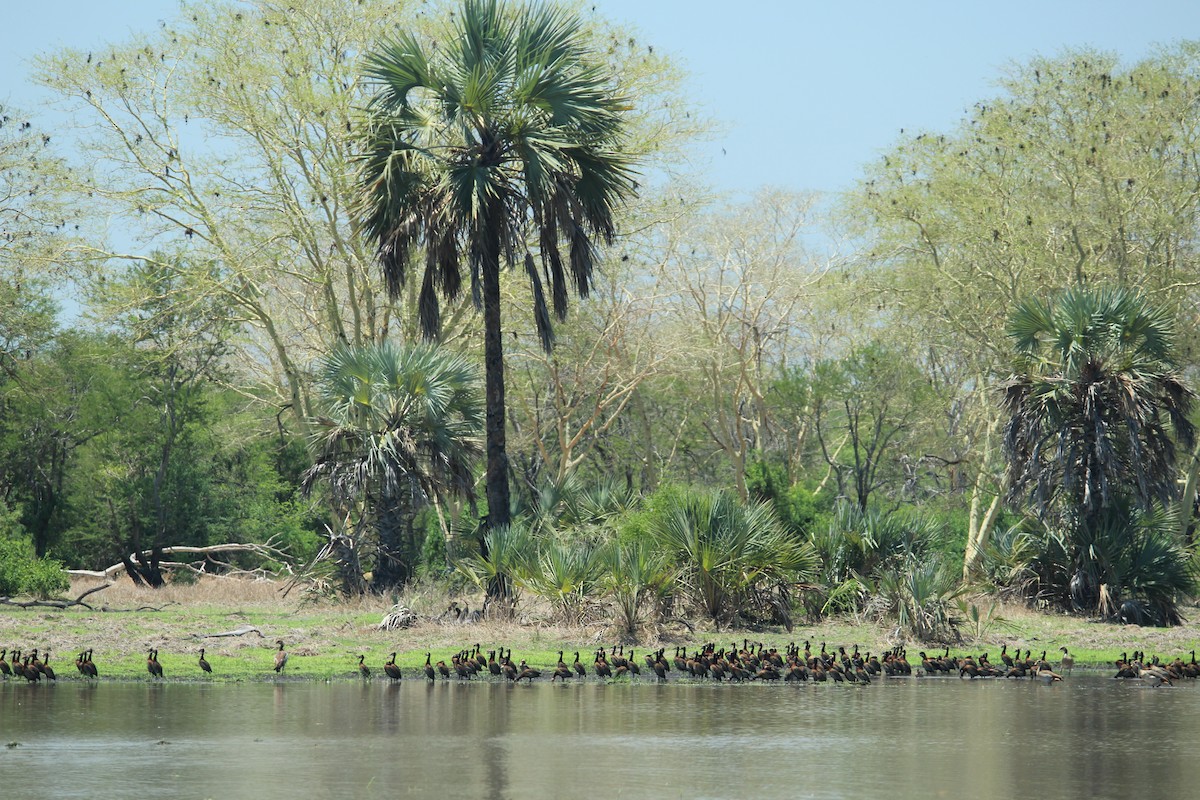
x=807 y=93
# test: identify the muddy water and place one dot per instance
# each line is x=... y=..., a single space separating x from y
x=900 y=738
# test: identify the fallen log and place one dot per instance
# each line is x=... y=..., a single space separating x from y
x=264 y=550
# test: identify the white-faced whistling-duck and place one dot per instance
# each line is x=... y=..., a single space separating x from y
x=578 y=666
x=203 y=662
x=1067 y=662
x=526 y=672
x=363 y=669
x=281 y=657
x=429 y=673
x=44 y=668
x=600 y=665
x=152 y=666
x=561 y=670
x=391 y=670
x=89 y=667
x=5 y=669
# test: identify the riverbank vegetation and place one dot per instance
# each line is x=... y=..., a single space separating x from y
x=238 y=300
x=323 y=638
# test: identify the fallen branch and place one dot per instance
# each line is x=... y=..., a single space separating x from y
x=266 y=550
x=242 y=631
x=78 y=601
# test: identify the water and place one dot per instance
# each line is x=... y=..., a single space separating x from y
x=899 y=738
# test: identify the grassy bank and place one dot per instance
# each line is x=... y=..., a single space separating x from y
x=324 y=639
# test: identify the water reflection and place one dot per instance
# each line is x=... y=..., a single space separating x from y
x=899 y=738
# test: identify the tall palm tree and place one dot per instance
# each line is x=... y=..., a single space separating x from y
x=500 y=139
x=1095 y=403
x=1095 y=408
x=401 y=426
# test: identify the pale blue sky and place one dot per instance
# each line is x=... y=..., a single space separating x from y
x=809 y=92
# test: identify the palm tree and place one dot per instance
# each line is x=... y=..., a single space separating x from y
x=401 y=427
x=1095 y=407
x=728 y=557
x=505 y=134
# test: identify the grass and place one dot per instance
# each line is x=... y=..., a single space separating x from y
x=324 y=638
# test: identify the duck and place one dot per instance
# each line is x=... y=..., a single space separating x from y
x=390 y=669
x=429 y=672
x=89 y=667
x=203 y=662
x=44 y=668
x=561 y=670
x=363 y=669
x=1067 y=663
x=526 y=672
x=152 y=666
x=281 y=657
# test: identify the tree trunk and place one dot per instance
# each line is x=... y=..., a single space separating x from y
x=394 y=556
x=498 y=515
x=1187 y=500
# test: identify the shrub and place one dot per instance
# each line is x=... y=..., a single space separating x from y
x=23 y=573
x=727 y=557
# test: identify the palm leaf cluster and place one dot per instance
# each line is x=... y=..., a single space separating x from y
x=1096 y=404
x=501 y=137
x=727 y=554
x=401 y=427
x=395 y=415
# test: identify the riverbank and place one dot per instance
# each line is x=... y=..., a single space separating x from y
x=323 y=638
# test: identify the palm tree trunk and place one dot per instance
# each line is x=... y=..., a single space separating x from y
x=493 y=361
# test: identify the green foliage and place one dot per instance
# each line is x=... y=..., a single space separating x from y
x=921 y=595
x=1126 y=564
x=1096 y=404
x=860 y=542
x=798 y=507
x=22 y=572
x=726 y=557
x=893 y=563
x=501 y=568
x=1096 y=408
x=399 y=429
x=634 y=573
x=566 y=574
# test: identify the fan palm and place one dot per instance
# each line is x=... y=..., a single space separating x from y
x=401 y=426
x=1096 y=406
x=724 y=553
x=501 y=140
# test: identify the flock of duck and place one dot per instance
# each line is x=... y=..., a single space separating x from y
x=751 y=662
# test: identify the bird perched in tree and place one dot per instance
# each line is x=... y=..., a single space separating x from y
x=281 y=658
x=204 y=665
